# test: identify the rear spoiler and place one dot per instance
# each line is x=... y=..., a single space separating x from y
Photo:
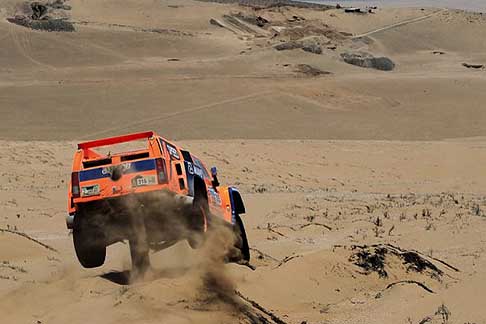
x=115 y=140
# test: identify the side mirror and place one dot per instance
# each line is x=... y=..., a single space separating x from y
x=214 y=174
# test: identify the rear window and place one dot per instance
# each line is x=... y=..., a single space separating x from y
x=199 y=165
x=124 y=148
x=95 y=163
x=129 y=151
x=137 y=156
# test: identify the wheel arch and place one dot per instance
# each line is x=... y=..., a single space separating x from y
x=200 y=187
x=236 y=201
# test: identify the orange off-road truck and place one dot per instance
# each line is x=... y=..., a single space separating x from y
x=153 y=197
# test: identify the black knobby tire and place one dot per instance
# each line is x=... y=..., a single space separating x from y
x=199 y=220
x=89 y=242
x=241 y=242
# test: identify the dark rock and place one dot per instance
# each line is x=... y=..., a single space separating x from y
x=309 y=44
x=312 y=48
x=368 y=61
x=287 y=46
x=252 y=19
x=261 y=22
x=473 y=66
x=38 y=10
x=59 y=4
x=353 y=10
x=295 y=18
x=214 y=22
x=56 y=25
x=44 y=16
x=310 y=70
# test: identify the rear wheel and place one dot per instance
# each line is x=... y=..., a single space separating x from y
x=89 y=242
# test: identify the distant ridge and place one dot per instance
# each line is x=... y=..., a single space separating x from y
x=274 y=3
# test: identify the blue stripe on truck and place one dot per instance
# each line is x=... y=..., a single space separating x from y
x=138 y=166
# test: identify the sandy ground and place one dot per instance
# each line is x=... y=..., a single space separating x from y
x=326 y=164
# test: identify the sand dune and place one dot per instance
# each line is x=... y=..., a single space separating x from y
x=365 y=189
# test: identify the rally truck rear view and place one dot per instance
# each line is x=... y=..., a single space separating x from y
x=153 y=197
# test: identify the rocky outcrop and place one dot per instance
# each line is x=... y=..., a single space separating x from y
x=312 y=44
x=46 y=16
x=367 y=60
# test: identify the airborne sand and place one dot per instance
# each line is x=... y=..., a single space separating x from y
x=324 y=163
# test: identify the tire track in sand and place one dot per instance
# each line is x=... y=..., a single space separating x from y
x=21 y=44
x=399 y=24
x=178 y=113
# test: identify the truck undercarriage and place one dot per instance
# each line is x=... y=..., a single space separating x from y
x=148 y=221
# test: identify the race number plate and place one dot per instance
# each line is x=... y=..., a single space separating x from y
x=144 y=181
x=88 y=191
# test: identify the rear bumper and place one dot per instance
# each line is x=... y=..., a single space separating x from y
x=117 y=191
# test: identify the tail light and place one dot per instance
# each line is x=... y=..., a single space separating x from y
x=161 y=171
x=75 y=190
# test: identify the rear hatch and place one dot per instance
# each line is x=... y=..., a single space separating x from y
x=108 y=175
x=120 y=178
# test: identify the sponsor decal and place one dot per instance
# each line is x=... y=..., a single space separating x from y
x=198 y=171
x=214 y=196
x=194 y=169
x=172 y=151
x=190 y=167
x=109 y=170
x=129 y=167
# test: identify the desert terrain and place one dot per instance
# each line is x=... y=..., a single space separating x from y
x=364 y=186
